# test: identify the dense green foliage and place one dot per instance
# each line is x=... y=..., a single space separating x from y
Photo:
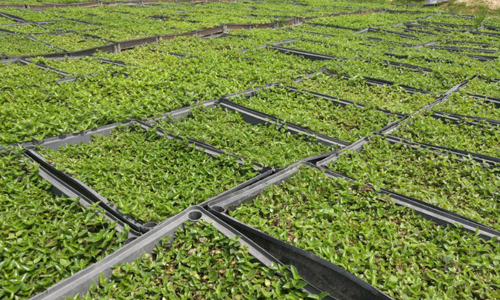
x=267 y=144
x=386 y=245
x=379 y=54
x=464 y=187
x=200 y=263
x=148 y=176
x=43 y=238
x=348 y=123
x=482 y=139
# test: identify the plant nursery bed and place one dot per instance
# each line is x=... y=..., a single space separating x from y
x=45 y=238
x=392 y=98
x=268 y=144
x=146 y=175
x=466 y=188
x=483 y=139
x=346 y=123
x=190 y=256
x=388 y=246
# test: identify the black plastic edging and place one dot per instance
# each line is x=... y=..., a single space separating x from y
x=70 y=185
x=401 y=34
x=82 y=281
x=482 y=57
x=493 y=100
x=446 y=95
x=376 y=39
x=454 y=42
x=408 y=66
x=356 y=146
x=62 y=184
x=460 y=49
x=342 y=102
x=432 y=212
x=113 y=62
x=420 y=31
x=327 y=276
x=49 y=173
x=493 y=34
x=13 y=18
x=484 y=159
x=445 y=24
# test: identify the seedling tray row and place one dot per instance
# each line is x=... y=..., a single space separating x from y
x=489 y=99
x=464 y=118
x=45 y=67
x=460 y=49
x=328 y=277
x=306 y=54
x=332 y=26
x=485 y=159
x=73 y=187
x=81 y=282
x=342 y=102
x=405 y=35
x=379 y=82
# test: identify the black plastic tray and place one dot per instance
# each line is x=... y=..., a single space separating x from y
x=432 y=212
x=489 y=99
x=481 y=158
x=73 y=187
x=464 y=118
x=379 y=82
x=333 y=26
x=306 y=54
x=81 y=281
x=342 y=102
x=326 y=276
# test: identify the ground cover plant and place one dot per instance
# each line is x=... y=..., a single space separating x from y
x=200 y=263
x=267 y=144
x=388 y=246
x=465 y=187
x=483 y=87
x=482 y=139
x=348 y=123
x=464 y=105
x=392 y=98
x=148 y=176
x=44 y=238
x=407 y=45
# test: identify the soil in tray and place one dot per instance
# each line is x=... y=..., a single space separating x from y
x=200 y=263
x=267 y=144
x=148 y=176
x=464 y=187
x=388 y=246
x=43 y=238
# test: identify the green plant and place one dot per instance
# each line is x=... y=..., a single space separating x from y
x=44 y=238
x=386 y=245
x=148 y=176
x=200 y=263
